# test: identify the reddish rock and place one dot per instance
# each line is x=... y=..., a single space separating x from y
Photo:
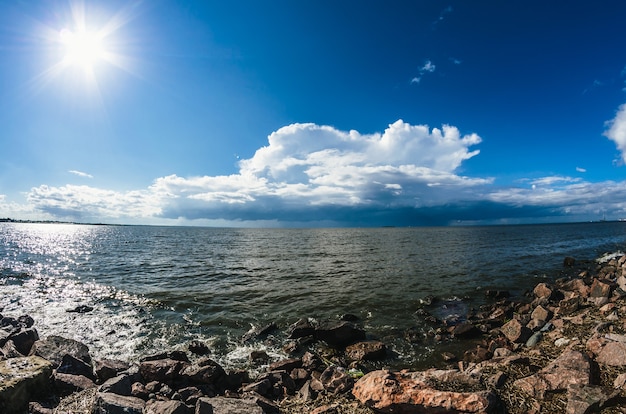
x=109 y=368
x=578 y=286
x=583 y=399
x=223 y=405
x=570 y=368
x=366 y=350
x=515 y=331
x=599 y=289
x=66 y=384
x=336 y=379
x=541 y=313
x=542 y=290
x=613 y=353
x=569 y=306
x=405 y=392
x=112 y=403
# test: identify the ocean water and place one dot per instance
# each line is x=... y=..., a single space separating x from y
x=156 y=288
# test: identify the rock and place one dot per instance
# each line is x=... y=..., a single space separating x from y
x=74 y=366
x=620 y=381
x=262 y=387
x=311 y=361
x=222 y=405
x=121 y=385
x=161 y=370
x=465 y=330
x=175 y=355
x=198 y=348
x=336 y=379
x=53 y=348
x=285 y=364
x=81 y=309
x=349 y=317
x=569 y=261
x=303 y=327
x=259 y=356
x=166 y=407
x=570 y=368
x=205 y=371
x=541 y=313
x=24 y=340
x=584 y=399
x=569 y=306
x=542 y=290
x=260 y=332
x=109 y=368
x=22 y=379
x=37 y=408
x=108 y=403
x=515 y=331
x=534 y=339
x=339 y=333
x=66 y=384
x=578 y=286
x=366 y=350
x=613 y=354
x=476 y=355
x=406 y=392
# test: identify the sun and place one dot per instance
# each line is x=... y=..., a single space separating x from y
x=82 y=48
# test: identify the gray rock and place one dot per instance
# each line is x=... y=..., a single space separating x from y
x=166 y=407
x=53 y=348
x=222 y=405
x=22 y=379
x=121 y=385
x=66 y=384
x=109 y=403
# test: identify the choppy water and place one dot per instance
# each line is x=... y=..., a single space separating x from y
x=158 y=287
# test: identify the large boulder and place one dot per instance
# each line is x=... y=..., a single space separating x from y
x=109 y=403
x=408 y=393
x=366 y=350
x=22 y=380
x=161 y=370
x=570 y=368
x=53 y=348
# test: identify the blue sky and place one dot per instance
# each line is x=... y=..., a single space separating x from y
x=313 y=113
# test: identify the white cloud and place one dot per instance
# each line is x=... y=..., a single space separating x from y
x=80 y=173
x=428 y=67
x=581 y=170
x=617 y=130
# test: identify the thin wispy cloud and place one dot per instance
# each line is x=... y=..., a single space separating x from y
x=428 y=67
x=80 y=173
x=581 y=170
x=442 y=16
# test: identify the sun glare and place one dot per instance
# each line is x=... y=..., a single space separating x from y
x=84 y=49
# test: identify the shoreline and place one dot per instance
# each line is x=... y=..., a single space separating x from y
x=508 y=365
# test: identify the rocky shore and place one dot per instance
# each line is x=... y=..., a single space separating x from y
x=561 y=348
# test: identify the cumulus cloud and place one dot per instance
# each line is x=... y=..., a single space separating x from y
x=310 y=174
x=306 y=171
x=616 y=131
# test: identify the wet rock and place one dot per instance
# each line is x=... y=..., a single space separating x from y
x=407 y=392
x=25 y=321
x=166 y=407
x=366 y=350
x=22 y=379
x=81 y=309
x=108 y=403
x=515 y=331
x=285 y=364
x=259 y=357
x=569 y=261
x=497 y=294
x=303 y=327
x=53 y=348
x=175 y=355
x=465 y=330
x=259 y=332
x=348 y=317
x=339 y=333
x=570 y=368
x=198 y=348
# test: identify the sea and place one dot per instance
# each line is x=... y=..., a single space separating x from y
x=150 y=289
